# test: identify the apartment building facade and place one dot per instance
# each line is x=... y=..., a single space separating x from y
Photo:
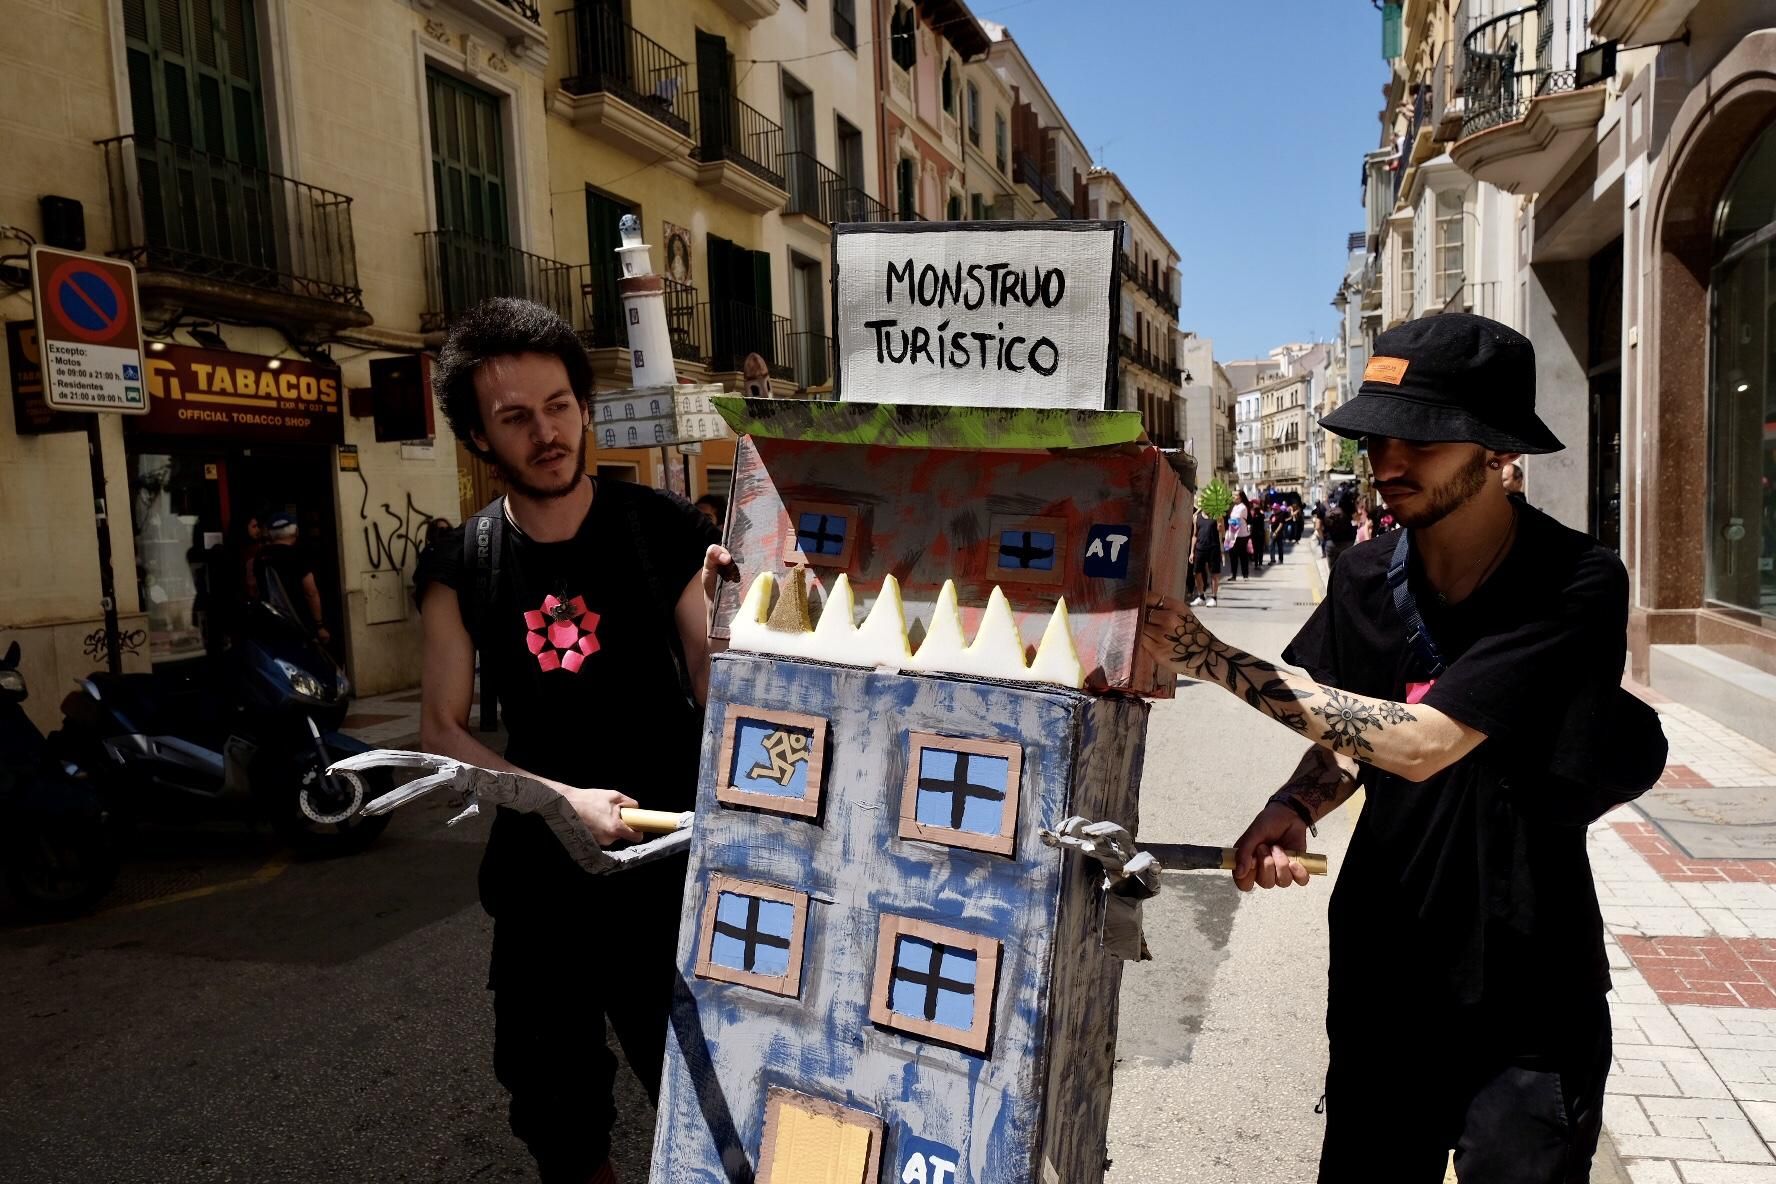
x=1610 y=158
x=1148 y=375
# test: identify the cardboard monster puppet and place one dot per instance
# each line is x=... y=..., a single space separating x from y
x=889 y=971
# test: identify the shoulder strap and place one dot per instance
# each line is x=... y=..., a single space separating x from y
x=1400 y=583
x=657 y=592
x=483 y=536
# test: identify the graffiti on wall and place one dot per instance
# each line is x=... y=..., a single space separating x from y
x=394 y=538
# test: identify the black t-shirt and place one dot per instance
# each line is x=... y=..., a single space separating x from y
x=291 y=563
x=1472 y=889
x=580 y=644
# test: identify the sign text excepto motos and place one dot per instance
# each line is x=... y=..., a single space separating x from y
x=1016 y=315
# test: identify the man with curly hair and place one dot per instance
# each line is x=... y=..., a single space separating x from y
x=1466 y=672
x=588 y=606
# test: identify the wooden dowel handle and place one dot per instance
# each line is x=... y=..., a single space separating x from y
x=1314 y=863
x=654 y=822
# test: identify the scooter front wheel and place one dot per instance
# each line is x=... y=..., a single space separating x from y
x=318 y=814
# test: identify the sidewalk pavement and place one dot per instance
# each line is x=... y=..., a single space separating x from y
x=386 y=721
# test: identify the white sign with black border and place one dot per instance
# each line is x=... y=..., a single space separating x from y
x=989 y=314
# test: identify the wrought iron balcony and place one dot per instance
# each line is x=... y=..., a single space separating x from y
x=180 y=210
x=733 y=330
x=462 y=270
x=607 y=56
x=1165 y=369
x=822 y=194
x=528 y=9
x=1144 y=281
x=728 y=129
x=1029 y=173
x=1506 y=65
x=811 y=356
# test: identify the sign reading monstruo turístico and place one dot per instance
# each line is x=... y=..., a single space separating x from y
x=1018 y=314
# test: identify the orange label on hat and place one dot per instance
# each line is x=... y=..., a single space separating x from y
x=1388 y=370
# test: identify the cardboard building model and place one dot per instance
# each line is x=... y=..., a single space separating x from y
x=885 y=973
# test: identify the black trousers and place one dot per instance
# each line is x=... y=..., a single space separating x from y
x=555 y=983
x=1402 y=1093
x=1239 y=561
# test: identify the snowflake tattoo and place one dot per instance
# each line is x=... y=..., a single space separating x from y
x=1348 y=717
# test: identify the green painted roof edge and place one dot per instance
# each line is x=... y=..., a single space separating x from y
x=909 y=425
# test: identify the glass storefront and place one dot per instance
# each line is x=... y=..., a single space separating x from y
x=1741 y=538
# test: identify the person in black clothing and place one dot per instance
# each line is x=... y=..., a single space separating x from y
x=1205 y=556
x=595 y=642
x=1466 y=672
x=284 y=554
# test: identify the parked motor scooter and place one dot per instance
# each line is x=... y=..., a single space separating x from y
x=248 y=735
x=55 y=841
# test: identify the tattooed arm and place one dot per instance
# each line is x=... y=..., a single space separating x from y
x=1322 y=782
x=1410 y=740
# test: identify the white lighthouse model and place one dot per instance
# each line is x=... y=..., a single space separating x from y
x=644 y=309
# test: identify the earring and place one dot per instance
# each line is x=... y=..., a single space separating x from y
x=1492 y=464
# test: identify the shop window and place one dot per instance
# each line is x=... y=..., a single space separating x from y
x=962 y=793
x=934 y=981
x=820 y=534
x=772 y=760
x=752 y=935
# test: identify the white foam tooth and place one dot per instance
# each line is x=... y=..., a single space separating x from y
x=838 y=615
x=1057 y=658
x=747 y=630
x=944 y=647
x=883 y=635
x=997 y=650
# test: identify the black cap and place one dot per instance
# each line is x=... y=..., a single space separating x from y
x=1451 y=377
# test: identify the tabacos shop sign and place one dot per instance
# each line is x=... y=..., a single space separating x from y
x=245 y=397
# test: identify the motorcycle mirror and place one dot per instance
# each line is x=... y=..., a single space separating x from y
x=11 y=660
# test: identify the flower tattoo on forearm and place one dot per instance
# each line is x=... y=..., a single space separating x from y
x=1257 y=682
x=1348 y=717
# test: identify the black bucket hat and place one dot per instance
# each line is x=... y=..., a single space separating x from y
x=1452 y=377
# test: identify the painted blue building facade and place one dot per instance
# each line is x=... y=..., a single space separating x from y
x=885 y=974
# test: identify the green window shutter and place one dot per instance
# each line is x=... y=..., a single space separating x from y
x=761 y=280
x=468 y=158
x=1390 y=30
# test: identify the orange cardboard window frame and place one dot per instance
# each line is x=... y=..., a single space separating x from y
x=986 y=981
x=789 y=983
x=729 y=794
x=793 y=554
x=998 y=524
x=1002 y=843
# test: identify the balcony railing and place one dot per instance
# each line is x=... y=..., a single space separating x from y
x=1144 y=281
x=734 y=330
x=811 y=356
x=175 y=208
x=607 y=56
x=528 y=9
x=462 y=270
x=1505 y=65
x=728 y=129
x=822 y=194
x=1481 y=298
x=1163 y=368
x=1030 y=173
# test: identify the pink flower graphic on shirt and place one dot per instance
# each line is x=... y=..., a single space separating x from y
x=562 y=634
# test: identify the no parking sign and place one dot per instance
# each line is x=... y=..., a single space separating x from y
x=88 y=332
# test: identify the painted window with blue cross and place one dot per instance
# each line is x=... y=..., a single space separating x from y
x=935 y=981
x=1026 y=550
x=821 y=534
x=772 y=760
x=962 y=792
x=752 y=935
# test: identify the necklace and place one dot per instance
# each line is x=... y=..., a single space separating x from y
x=1491 y=564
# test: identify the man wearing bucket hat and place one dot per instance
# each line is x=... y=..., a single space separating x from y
x=1466 y=672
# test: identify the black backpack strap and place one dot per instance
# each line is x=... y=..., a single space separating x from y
x=660 y=596
x=483 y=537
x=1400 y=584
